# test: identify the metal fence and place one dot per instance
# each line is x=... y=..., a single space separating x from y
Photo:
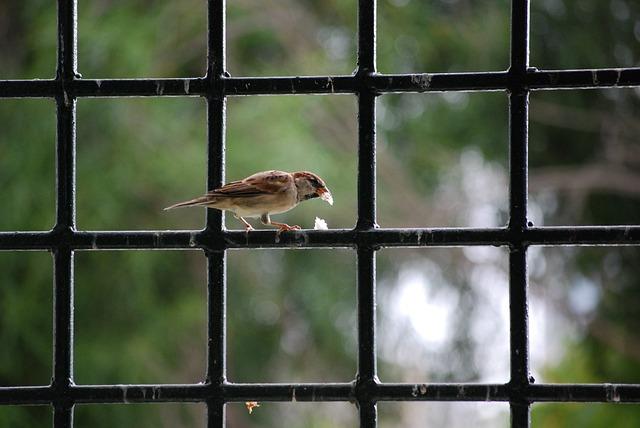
x=366 y=390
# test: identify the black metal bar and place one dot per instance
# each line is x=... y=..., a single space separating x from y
x=216 y=332
x=235 y=392
x=366 y=378
x=216 y=367
x=518 y=130
x=65 y=163
x=518 y=191
x=216 y=120
x=216 y=281
x=520 y=414
x=67 y=39
x=62 y=414
x=367 y=373
x=584 y=79
x=63 y=320
x=340 y=84
x=366 y=160
x=65 y=215
x=366 y=36
x=518 y=310
x=335 y=238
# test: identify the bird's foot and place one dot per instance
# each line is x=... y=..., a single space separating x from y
x=285 y=227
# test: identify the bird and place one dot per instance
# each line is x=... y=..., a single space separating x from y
x=262 y=194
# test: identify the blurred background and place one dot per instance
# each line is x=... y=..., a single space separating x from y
x=140 y=316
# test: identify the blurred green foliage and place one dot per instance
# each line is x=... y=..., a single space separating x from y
x=140 y=316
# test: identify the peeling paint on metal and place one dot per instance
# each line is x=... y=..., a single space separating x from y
x=67 y=100
x=330 y=84
x=423 y=81
x=414 y=391
x=125 y=391
x=302 y=237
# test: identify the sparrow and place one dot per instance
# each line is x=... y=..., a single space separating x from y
x=262 y=194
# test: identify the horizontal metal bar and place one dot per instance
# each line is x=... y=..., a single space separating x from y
x=603 y=393
x=239 y=392
x=350 y=84
x=335 y=238
x=26 y=395
x=583 y=235
x=141 y=393
x=439 y=82
x=583 y=79
x=442 y=392
x=291 y=85
x=35 y=88
x=140 y=87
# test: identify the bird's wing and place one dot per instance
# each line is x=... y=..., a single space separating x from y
x=262 y=183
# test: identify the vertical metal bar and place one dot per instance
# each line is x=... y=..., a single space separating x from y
x=62 y=415
x=216 y=104
x=366 y=115
x=65 y=163
x=63 y=336
x=216 y=283
x=367 y=36
x=367 y=369
x=366 y=314
x=519 y=338
x=366 y=281
x=368 y=412
x=66 y=114
x=518 y=167
x=366 y=161
x=216 y=38
x=65 y=215
x=67 y=39
x=519 y=35
x=520 y=414
x=518 y=163
x=216 y=124
x=216 y=364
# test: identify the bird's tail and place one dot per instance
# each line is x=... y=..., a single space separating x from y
x=202 y=200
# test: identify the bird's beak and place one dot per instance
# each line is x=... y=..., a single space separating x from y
x=325 y=195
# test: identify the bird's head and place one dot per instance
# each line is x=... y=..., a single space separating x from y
x=311 y=186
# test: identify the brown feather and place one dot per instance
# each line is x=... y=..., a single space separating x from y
x=202 y=200
x=259 y=184
x=262 y=183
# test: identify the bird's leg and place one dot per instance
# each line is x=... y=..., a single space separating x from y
x=247 y=226
x=265 y=219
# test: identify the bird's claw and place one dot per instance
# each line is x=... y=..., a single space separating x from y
x=286 y=227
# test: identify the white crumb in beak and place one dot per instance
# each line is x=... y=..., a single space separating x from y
x=326 y=196
x=320 y=224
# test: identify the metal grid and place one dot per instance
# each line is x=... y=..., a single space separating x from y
x=366 y=390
